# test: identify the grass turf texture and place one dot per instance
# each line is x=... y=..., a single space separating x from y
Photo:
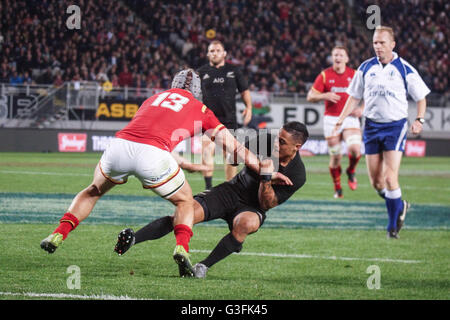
x=316 y=247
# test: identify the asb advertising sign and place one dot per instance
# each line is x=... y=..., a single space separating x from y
x=72 y=142
x=117 y=111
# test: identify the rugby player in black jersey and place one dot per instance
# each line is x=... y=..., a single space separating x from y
x=241 y=202
x=220 y=83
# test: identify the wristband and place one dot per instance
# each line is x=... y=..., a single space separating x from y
x=265 y=177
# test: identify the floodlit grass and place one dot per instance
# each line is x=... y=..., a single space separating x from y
x=304 y=259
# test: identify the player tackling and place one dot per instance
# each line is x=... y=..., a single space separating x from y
x=143 y=149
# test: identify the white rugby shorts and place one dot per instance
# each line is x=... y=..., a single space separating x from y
x=330 y=121
x=155 y=168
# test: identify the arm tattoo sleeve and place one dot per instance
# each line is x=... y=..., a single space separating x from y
x=267 y=196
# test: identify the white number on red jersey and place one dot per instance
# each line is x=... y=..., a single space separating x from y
x=173 y=101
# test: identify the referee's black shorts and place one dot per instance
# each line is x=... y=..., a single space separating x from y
x=222 y=202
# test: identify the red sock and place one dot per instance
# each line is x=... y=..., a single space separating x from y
x=352 y=162
x=183 y=235
x=336 y=176
x=67 y=223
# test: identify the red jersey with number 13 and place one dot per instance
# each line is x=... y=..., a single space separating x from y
x=169 y=117
x=331 y=81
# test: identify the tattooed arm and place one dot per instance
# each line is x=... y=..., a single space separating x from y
x=267 y=197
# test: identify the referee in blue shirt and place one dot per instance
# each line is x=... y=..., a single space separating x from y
x=384 y=82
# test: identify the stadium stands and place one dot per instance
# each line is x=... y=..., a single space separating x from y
x=281 y=45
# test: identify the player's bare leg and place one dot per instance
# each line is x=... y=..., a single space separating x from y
x=80 y=208
x=208 y=148
x=352 y=137
x=183 y=222
x=375 y=170
x=84 y=202
x=334 y=150
x=230 y=172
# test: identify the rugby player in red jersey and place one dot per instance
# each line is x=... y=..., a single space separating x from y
x=330 y=86
x=143 y=149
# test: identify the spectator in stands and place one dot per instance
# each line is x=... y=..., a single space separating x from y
x=280 y=37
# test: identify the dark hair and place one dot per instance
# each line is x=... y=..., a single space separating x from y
x=298 y=131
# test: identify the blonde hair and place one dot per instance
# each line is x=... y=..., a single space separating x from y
x=341 y=47
x=386 y=29
x=217 y=42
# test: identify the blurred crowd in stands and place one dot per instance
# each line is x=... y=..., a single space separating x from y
x=280 y=45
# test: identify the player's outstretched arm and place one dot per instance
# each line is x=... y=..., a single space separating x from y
x=232 y=146
x=315 y=96
x=189 y=166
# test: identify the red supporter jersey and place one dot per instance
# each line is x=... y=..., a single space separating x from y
x=169 y=117
x=331 y=81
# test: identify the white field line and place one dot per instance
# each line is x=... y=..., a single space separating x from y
x=199 y=179
x=68 y=296
x=308 y=256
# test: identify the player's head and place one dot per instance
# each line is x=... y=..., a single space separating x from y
x=383 y=42
x=339 y=55
x=290 y=139
x=189 y=80
x=216 y=53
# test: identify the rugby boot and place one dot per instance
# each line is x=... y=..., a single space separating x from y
x=52 y=242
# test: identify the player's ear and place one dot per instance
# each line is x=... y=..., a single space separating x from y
x=224 y=53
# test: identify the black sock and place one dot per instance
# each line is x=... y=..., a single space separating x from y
x=155 y=229
x=224 y=248
x=208 y=183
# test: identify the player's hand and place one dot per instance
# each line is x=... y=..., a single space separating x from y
x=281 y=179
x=247 y=114
x=416 y=127
x=333 y=97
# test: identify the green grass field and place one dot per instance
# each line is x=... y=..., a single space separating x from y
x=311 y=247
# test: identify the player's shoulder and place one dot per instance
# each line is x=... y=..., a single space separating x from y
x=232 y=67
x=296 y=167
x=367 y=64
x=406 y=65
x=350 y=71
x=204 y=68
x=182 y=92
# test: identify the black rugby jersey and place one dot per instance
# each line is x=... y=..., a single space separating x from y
x=246 y=182
x=219 y=88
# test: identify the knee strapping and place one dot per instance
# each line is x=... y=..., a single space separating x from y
x=353 y=139
x=334 y=150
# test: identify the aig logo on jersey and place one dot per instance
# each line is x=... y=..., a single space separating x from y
x=218 y=80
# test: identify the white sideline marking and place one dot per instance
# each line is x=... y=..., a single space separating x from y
x=70 y=296
x=308 y=256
